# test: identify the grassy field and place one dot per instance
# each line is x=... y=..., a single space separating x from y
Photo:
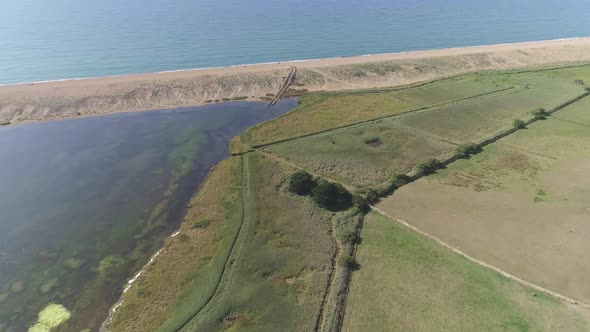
x=577 y=113
x=475 y=120
x=521 y=205
x=409 y=283
x=369 y=153
x=279 y=279
x=576 y=74
x=322 y=111
x=365 y=155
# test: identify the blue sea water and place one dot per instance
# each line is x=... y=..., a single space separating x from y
x=58 y=39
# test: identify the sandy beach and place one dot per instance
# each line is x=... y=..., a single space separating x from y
x=139 y=92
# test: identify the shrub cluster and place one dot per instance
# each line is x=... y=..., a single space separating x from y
x=428 y=167
x=331 y=196
x=540 y=114
x=301 y=183
x=466 y=150
x=350 y=237
x=400 y=180
x=518 y=123
x=370 y=196
x=348 y=262
x=370 y=140
x=328 y=195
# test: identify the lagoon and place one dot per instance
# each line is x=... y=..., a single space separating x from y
x=85 y=202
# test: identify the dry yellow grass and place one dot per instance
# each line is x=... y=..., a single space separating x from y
x=236 y=146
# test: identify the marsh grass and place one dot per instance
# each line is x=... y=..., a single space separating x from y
x=282 y=273
x=322 y=111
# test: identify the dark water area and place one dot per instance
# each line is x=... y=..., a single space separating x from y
x=84 y=203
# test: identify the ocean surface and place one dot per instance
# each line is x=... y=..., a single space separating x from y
x=59 y=39
x=84 y=203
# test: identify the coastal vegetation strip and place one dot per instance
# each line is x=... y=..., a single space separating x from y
x=185 y=274
x=227 y=274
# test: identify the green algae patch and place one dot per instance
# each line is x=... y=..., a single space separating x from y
x=48 y=285
x=73 y=263
x=110 y=265
x=51 y=317
x=17 y=287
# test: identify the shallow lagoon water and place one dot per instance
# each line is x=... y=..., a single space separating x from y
x=84 y=203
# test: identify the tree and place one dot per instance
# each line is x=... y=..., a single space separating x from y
x=331 y=196
x=350 y=237
x=518 y=123
x=348 y=262
x=466 y=150
x=400 y=180
x=360 y=202
x=428 y=167
x=540 y=114
x=301 y=183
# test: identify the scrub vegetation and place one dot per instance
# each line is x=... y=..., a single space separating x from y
x=275 y=240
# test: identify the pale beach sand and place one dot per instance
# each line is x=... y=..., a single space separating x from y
x=94 y=96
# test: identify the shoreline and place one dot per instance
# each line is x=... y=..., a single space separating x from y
x=73 y=98
x=459 y=50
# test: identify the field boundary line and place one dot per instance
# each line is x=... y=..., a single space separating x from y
x=570 y=121
x=363 y=122
x=526 y=151
x=568 y=300
x=320 y=321
x=419 y=132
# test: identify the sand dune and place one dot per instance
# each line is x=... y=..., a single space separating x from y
x=86 y=97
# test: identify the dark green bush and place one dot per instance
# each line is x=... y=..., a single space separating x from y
x=370 y=140
x=360 y=202
x=350 y=237
x=518 y=123
x=348 y=262
x=372 y=196
x=331 y=196
x=301 y=183
x=400 y=180
x=540 y=114
x=428 y=167
x=466 y=150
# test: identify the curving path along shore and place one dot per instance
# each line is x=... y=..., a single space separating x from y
x=96 y=96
